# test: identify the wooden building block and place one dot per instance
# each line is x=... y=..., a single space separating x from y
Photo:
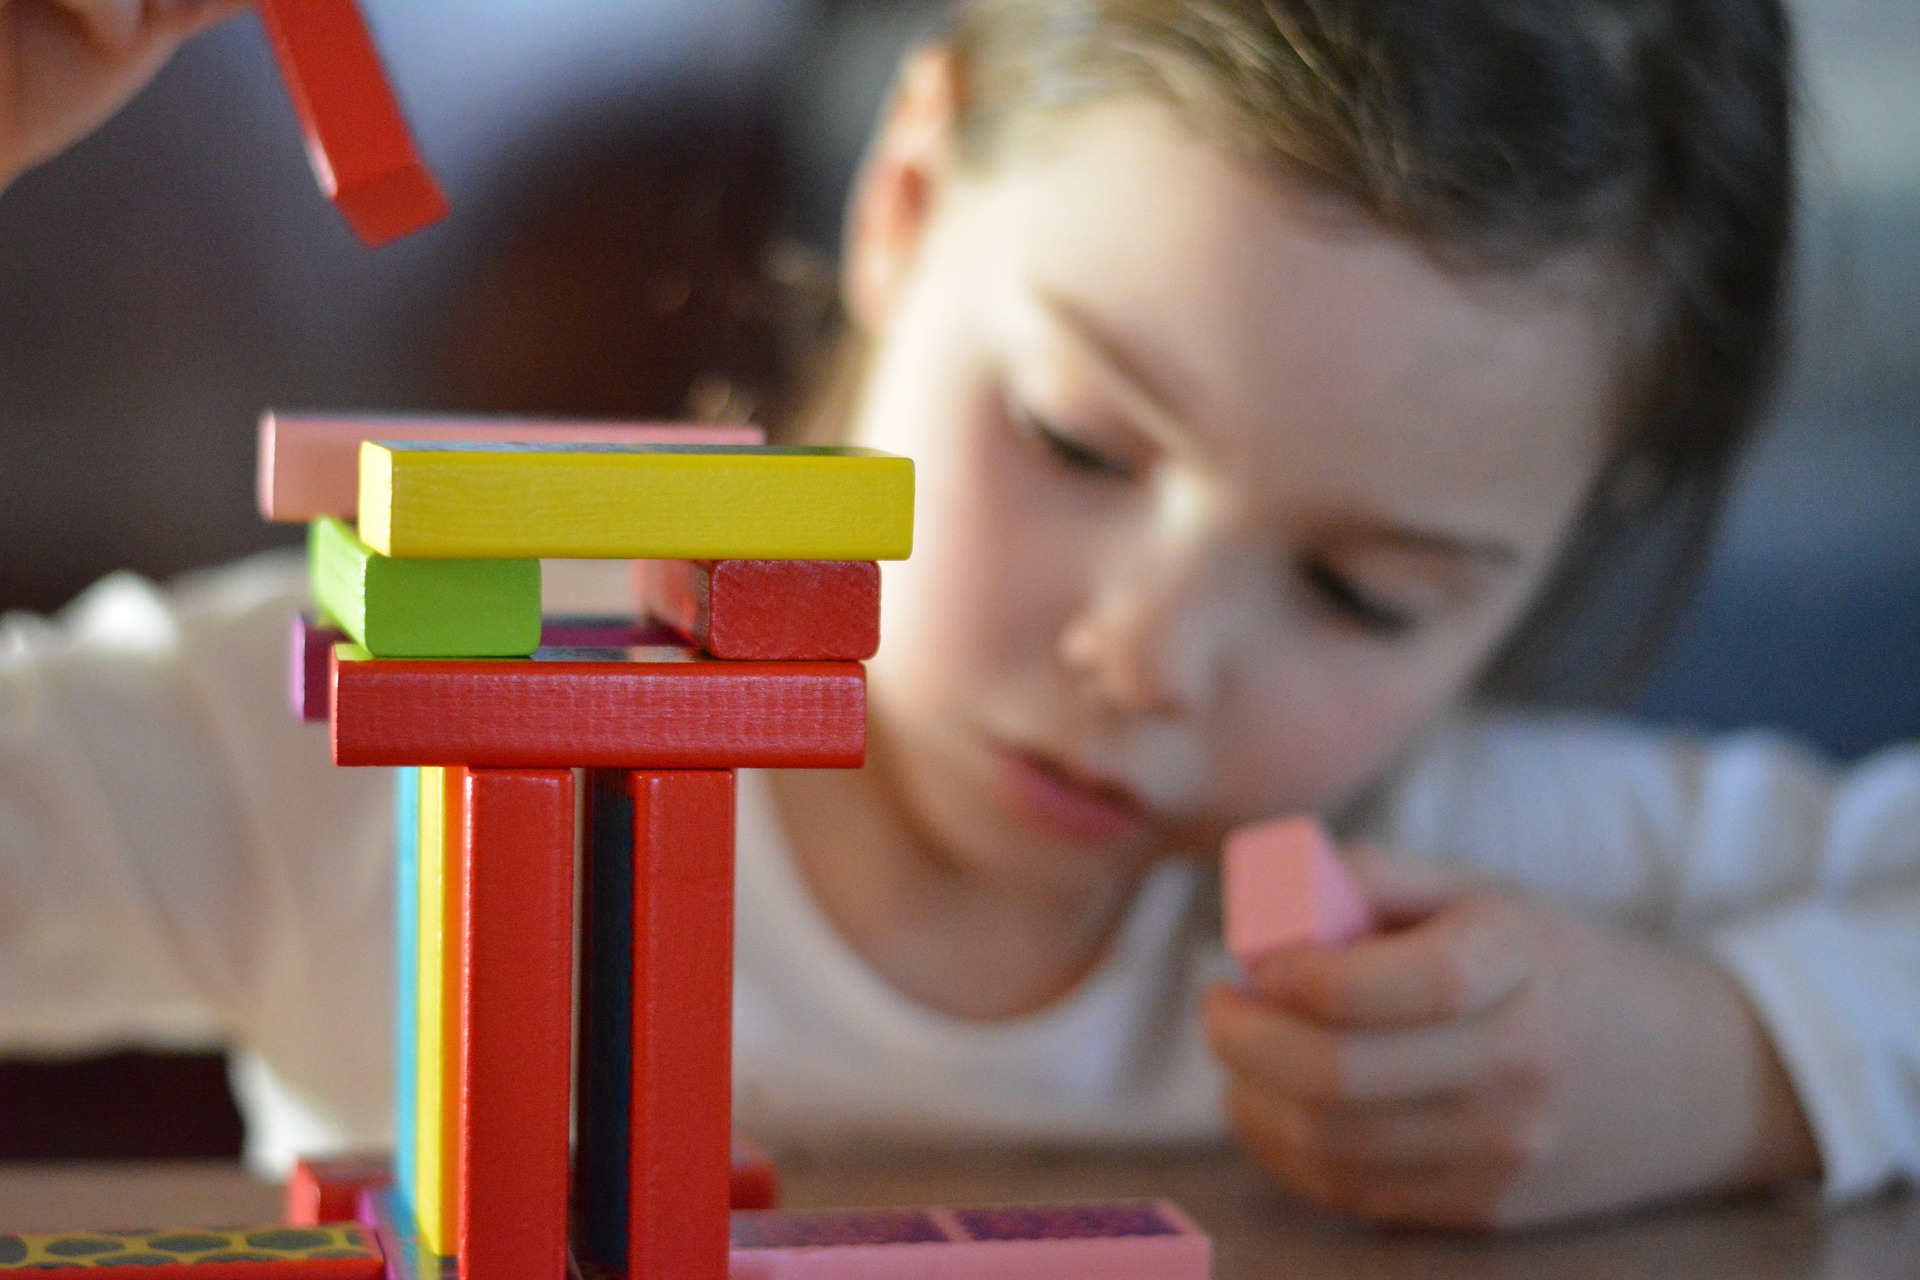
x=756 y=1179
x=384 y=1212
x=655 y=1170
x=643 y=708
x=768 y=610
x=328 y=1189
x=624 y=501
x=1283 y=886
x=1118 y=1240
x=309 y=465
x=434 y=1195
x=406 y=1003
x=362 y=154
x=516 y=1023
x=312 y=645
x=424 y=608
x=341 y=1251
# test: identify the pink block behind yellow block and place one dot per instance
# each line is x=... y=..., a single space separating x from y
x=310 y=466
x=1284 y=886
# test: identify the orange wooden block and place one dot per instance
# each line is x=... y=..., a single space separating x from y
x=768 y=610
x=329 y=1190
x=656 y=1171
x=357 y=139
x=642 y=708
x=516 y=1023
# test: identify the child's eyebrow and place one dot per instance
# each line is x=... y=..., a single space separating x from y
x=1113 y=353
x=1402 y=537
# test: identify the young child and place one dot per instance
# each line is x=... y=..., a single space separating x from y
x=1279 y=373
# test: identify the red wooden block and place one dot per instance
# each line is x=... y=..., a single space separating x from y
x=312 y=649
x=516 y=1023
x=656 y=1168
x=647 y=708
x=357 y=138
x=329 y=1190
x=756 y=1179
x=768 y=610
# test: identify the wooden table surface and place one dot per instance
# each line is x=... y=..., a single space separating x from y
x=1257 y=1235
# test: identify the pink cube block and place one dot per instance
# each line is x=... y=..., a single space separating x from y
x=310 y=466
x=1284 y=886
x=1113 y=1240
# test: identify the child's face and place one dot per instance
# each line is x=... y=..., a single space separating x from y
x=1223 y=495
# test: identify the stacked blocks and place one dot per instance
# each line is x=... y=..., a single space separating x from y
x=453 y=682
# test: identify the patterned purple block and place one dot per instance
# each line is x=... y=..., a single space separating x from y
x=773 y=1229
x=1113 y=1220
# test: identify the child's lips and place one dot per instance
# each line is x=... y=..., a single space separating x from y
x=1068 y=803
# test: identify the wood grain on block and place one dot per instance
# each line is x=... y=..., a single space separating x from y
x=1117 y=1240
x=768 y=610
x=423 y=608
x=308 y=657
x=1284 y=886
x=339 y=1251
x=362 y=153
x=329 y=1189
x=516 y=1021
x=309 y=465
x=600 y=502
x=565 y=708
x=655 y=1168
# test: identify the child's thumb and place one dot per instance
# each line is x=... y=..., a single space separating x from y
x=1401 y=890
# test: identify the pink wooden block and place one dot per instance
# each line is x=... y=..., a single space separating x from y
x=1284 y=886
x=1119 y=1240
x=310 y=466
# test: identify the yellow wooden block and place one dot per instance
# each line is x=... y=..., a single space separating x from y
x=449 y=500
x=436 y=1129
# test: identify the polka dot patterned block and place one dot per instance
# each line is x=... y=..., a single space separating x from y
x=775 y=1230
x=339 y=1252
x=1067 y=1221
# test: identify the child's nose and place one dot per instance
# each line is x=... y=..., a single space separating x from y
x=1149 y=638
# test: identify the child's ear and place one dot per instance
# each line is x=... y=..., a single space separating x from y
x=893 y=197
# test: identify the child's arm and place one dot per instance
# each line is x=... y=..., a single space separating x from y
x=67 y=65
x=1491 y=1062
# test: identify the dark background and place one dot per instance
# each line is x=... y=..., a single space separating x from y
x=617 y=171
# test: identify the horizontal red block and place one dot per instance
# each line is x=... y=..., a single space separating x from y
x=768 y=610
x=650 y=709
x=329 y=1190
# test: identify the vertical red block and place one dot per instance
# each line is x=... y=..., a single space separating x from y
x=357 y=138
x=768 y=610
x=516 y=1023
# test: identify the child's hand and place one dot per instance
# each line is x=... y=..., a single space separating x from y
x=66 y=65
x=1488 y=1062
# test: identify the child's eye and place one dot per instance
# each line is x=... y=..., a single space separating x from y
x=1075 y=455
x=1338 y=592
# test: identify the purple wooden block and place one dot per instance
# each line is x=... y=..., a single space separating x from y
x=312 y=644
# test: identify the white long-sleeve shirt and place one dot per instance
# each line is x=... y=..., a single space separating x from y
x=180 y=864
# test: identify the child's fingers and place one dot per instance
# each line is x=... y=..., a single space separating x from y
x=113 y=23
x=1468 y=957
x=1488 y=1131
x=1313 y=1064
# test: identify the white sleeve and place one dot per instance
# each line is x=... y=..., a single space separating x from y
x=180 y=863
x=1801 y=879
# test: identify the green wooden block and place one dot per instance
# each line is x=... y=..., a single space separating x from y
x=424 y=608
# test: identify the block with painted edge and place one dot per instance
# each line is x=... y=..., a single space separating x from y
x=768 y=610
x=1283 y=885
x=423 y=608
x=309 y=464
x=648 y=708
x=655 y=1173
x=517 y=899
x=336 y=1251
x=325 y=1189
x=635 y=501
x=357 y=139
x=1116 y=1240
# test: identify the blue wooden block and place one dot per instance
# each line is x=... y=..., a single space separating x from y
x=406 y=828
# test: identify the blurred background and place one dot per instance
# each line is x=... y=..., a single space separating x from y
x=621 y=175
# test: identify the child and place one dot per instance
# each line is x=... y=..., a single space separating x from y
x=1273 y=368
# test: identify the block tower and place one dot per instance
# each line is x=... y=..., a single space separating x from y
x=767 y=597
